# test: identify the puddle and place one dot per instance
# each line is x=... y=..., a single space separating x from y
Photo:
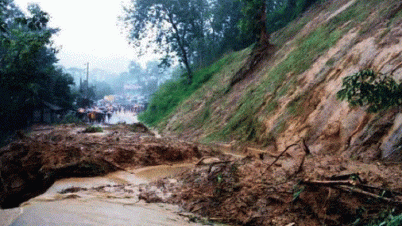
x=157 y=172
x=98 y=212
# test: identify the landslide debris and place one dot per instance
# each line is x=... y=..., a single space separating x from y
x=31 y=164
x=289 y=189
x=292 y=187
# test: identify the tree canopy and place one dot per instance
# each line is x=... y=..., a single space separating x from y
x=200 y=31
x=372 y=90
x=191 y=29
x=28 y=72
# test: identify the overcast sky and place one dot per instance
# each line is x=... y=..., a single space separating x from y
x=89 y=33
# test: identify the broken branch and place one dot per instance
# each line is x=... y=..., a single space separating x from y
x=362 y=192
x=331 y=182
x=279 y=156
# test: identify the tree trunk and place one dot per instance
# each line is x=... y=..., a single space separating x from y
x=183 y=51
x=264 y=36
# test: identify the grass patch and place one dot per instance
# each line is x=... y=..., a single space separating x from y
x=271 y=107
x=294 y=107
x=330 y=62
x=280 y=80
x=93 y=129
x=172 y=93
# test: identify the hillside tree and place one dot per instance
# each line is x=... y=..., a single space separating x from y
x=28 y=72
x=177 y=25
x=254 y=20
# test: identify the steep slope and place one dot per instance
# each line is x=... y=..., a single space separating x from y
x=291 y=95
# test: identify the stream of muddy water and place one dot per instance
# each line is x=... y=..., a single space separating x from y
x=107 y=200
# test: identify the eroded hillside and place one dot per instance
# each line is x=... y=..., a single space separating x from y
x=291 y=95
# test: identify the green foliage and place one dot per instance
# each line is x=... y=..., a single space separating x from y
x=200 y=31
x=253 y=18
x=276 y=14
x=28 y=72
x=297 y=190
x=71 y=119
x=282 y=13
x=93 y=129
x=280 y=80
x=387 y=217
x=196 y=31
x=392 y=221
x=368 y=88
x=299 y=60
x=260 y=99
x=172 y=93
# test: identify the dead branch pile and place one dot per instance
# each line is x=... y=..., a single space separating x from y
x=284 y=190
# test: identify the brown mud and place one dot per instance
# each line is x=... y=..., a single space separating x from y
x=32 y=163
x=289 y=189
x=221 y=183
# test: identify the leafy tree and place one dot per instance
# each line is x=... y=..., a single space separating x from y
x=28 y=74
x=196 y=31
x=177 y=24
x=224 y=33
x=254 y=21
x=200 y=31
x=281 y=12
x=371 y=89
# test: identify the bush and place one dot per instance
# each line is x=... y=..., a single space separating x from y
x=70 y=119
x=371 y=89
x=93 y=129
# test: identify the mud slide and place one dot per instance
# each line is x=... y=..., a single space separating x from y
x=112 y=199
x=30 y=165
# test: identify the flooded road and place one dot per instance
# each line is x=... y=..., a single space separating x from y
x=98 y=212
x=123 y=117
x=108 y=200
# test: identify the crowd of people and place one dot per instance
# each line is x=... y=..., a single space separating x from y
x=103 y=114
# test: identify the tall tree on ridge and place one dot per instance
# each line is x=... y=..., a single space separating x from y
x=176 y=24
x=254 y=21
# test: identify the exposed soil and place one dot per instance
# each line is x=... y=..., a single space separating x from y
x=295 y=189
x=31 y=164
x=245 y=187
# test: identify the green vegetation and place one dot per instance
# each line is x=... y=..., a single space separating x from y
x=29 y=76
x=298 y=61
x=172 y=93
x=390 y=220
x=245 y=116
x=196 y=31
x=71 y=119
x=93 y=129
x=371 y=89
x=287 y=12
x=387 y=217
x=280 y=80
x=201 y=31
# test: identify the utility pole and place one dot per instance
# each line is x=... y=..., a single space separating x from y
x=87 y=76
x=87 y=82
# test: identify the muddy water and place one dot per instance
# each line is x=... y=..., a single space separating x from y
x=156 y=172
x=115 y=204
x=123 y=117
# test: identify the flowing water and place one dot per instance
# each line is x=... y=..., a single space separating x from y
x=107 y=200
x=123 y=117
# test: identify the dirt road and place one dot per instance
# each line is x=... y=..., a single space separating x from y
x=97 y=203
x=32 y=163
